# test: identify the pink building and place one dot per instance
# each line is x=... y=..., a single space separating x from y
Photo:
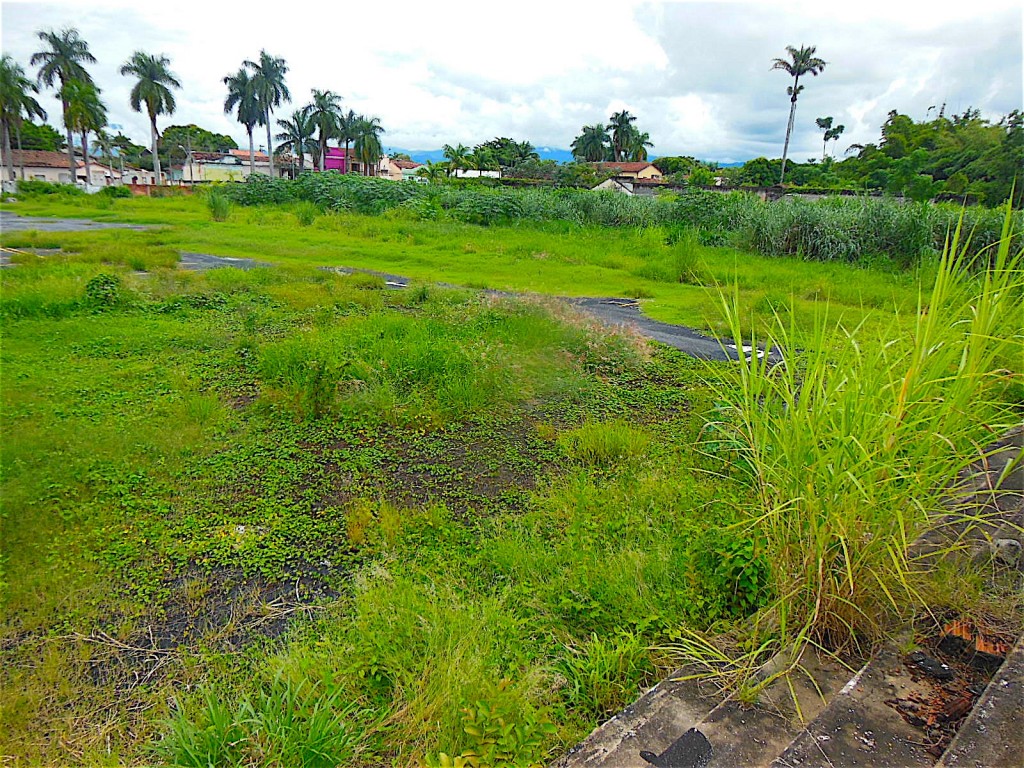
x=336 y=160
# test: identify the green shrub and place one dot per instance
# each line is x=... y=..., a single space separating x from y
x=103 y=290
x=33 y=188
x=731 y=574
x=117 y=191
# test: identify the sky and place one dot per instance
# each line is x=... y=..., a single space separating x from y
x=697 y=75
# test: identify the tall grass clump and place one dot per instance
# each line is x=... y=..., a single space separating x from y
x=854 y=442
x=218 y=204
x=287 y=723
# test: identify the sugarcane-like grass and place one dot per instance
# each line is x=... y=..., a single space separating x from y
x=853 y=444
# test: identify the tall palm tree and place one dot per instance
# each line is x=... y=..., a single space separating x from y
x=325 y=110
x=268 y=83
x=348 y=123
x=592 y=144
x=621 y=127
x=297 y=136
x=16 y=103
x=153 y=89
x=367 y=143
x=85 y=113
x=61 y=62
x=242 y=94
x=801 y=62
x=457 y=156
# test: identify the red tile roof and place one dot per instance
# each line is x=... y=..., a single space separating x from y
x=404 y=164
x=38 y=158
x=244 y=154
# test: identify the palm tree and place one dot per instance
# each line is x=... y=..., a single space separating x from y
x=242 y=95
x=325 y=110
x=621 y=127
x=592 y=144
x=268 y=84
x=801 y=62
x=153 y=89
x=60 y=63
x=85 y=113
x=297 y=136
x=15 y=104
x=106 y=145
x=457 y=156
x=482 y=159
x=367 y=143
x=637 y=144
x=433 y=172
x=348 y=123
x=523 y=151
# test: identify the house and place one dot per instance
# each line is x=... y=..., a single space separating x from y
x=398 y=170
x=43 y=165
x=338 y=160
x=614 y=185
x=630 y=171
x=232 y=165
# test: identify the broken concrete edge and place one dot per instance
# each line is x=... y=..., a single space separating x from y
x=993 y=733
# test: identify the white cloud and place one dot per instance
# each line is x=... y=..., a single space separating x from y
x=697 y=74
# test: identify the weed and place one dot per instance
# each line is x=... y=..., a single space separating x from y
x=103 y=290
x=219 y=205
x=604 y=443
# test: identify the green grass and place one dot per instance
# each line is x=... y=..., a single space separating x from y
x=855 y=448
x=195 y=464
x=676 y=276
x=284 y=515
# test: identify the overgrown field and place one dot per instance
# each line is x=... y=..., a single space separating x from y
x=675 y=276
x=286 y=516
x=452 y=501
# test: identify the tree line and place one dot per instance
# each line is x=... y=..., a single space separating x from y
x=254 y=92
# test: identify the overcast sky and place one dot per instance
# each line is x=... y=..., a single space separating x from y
x=696 y=74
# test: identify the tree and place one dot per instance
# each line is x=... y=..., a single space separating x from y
x=153 y=88
x=325 y=111
x=242 y=98
x=268 y=85
x=592 y=144
x=42 y=136
x=366 y=143
x=61 y=62
x=16 y=104
x=801 y=62
x=297 y=136
x=621 y=127
x=85 y=113
x=824 y=124
x=432 y=171
x=637 y=144
x=457 y=156
x=483 y=160
x=201 y=139
x=348 y=123
x=508 y=153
